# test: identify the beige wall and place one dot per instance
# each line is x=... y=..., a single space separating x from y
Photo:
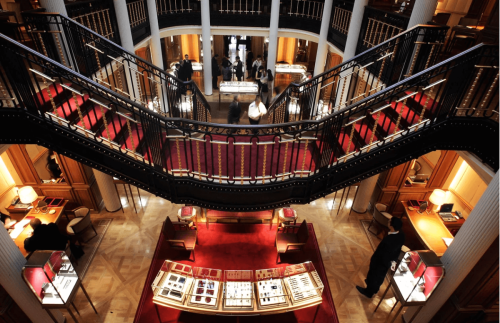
x=7 y=182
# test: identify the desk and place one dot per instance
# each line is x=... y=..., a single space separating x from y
x=259 y=215
x=431 y=229
x=45 y=218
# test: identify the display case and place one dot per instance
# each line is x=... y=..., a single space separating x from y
x=239 y=87
x=303 y=283
x=290 y=69
x=271 y=291
x=417 y=276
x=238 y=293
x=206 y=289
x=172 y=283
x=52 y=278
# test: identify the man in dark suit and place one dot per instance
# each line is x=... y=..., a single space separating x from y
x=188 y=68
x=384 y=257
x=215 y=72
x=238 y=68
x=233 y=116
x=45 y=237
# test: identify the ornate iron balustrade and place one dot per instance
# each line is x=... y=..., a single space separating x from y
x=301 y=14
x=339 y=23
x=185 y=160
x=178 y=13
x=252 y=13
x=378 y=26
x=359 y=77
x=97 y=15
x=93 y=56
x=139 y=20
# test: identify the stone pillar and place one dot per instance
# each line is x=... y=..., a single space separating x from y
x=319 y=66
x=423 y=10
x=364 y=193
x=207 y=46
x=108 y=191
x=11 y=264
x=155 y=34
x=476 y=235
x=354 y=27
x=273 y=44
x=123 y=22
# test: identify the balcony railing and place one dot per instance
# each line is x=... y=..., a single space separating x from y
x=301 y=14
x=339 y=23
x=248 y=13
x=139 y=20
x=97 y=15
x=178 y=13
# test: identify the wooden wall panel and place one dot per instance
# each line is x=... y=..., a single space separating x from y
x=396 y=176
x=443 y=168
x=22 y=163
x=86 y=198
x=64 y=192
x=387 y=198
x=73 y=171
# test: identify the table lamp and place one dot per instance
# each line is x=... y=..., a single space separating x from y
x=27 y=195
x=437 y=198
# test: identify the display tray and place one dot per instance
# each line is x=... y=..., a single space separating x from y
x=301 y=287
x=238 y=294
x=271 y=293
x=205 y=292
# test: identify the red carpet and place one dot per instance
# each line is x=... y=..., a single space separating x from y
x=235 y=246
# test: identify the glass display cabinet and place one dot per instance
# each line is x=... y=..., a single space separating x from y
x=416 y=277
x=239 y=87
x=303 y=283
x=271 y=291
x=53 y=279
x=172 y=283
x=238 y=291
x=206 y=289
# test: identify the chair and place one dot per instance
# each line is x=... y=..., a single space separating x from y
x=187 y=217
x=80 y=224
x=183 y=239
x=285 y=217
x=468 y=21
x=441 y=18
x=381 y=217
x=70 y=208
x=294 y=241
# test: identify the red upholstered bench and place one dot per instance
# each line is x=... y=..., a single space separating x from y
x=259 y=215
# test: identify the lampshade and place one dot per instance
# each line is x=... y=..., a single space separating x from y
x=437 y=197
x=27 y=194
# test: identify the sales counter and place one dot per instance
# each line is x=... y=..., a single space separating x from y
x=237 y=292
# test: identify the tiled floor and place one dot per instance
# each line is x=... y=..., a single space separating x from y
x=117 y=274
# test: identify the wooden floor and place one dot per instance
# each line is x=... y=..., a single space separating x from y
x=117 y=274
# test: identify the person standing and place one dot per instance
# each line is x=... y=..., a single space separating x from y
x=233 y=116
x=215 y=72
x=188 y=68
x=238 y=66
x=256 y=64
x=384 y=257
x=226 y=69
x=249 y=62
x=256 y=110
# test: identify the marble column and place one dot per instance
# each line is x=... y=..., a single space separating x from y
x=108 y=191
x=364 y=193
x=11 y=264
x=472 y=240
x=207 y=46
x=155 y=34
x=127 y=42
x=273 y=43
x=319 y=66
x=422 y=12
x=354 y=28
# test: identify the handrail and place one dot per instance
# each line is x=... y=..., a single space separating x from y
x=361 y=76
x=248 y=155
x=94 y=56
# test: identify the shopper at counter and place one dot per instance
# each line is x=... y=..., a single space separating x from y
x=256 y=110
x=384 y=257
x=45 y=237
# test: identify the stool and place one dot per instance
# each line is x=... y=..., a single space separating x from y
x=284 y=219
x=188 y=218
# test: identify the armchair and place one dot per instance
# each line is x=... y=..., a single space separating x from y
x=291 y=238
x=381 y=217
x=182 y=238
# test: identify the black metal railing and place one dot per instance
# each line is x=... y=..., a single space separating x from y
x=178 y=13
x=240 y=13
x=139 y=20
x=101 y=60
x=359 y=77
x=464 y=86
x=340 y=20
x=378 y=26
x=301 y=14
x=97 y=15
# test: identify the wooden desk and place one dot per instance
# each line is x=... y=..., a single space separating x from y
x=45 y=218
x=258 y=215
x=431 y=229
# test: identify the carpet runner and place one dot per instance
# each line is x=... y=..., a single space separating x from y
x=231 y=247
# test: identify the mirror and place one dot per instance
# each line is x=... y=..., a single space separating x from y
x=46 y=164
x=421 y=168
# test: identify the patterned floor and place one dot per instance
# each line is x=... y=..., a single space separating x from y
x=116 y=276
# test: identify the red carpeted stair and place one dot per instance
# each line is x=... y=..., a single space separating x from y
x=231 y=247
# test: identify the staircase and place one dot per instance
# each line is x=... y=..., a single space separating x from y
x=452 y=105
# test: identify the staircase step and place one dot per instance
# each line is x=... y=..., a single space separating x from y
x=365 y=132
x=58 y=94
